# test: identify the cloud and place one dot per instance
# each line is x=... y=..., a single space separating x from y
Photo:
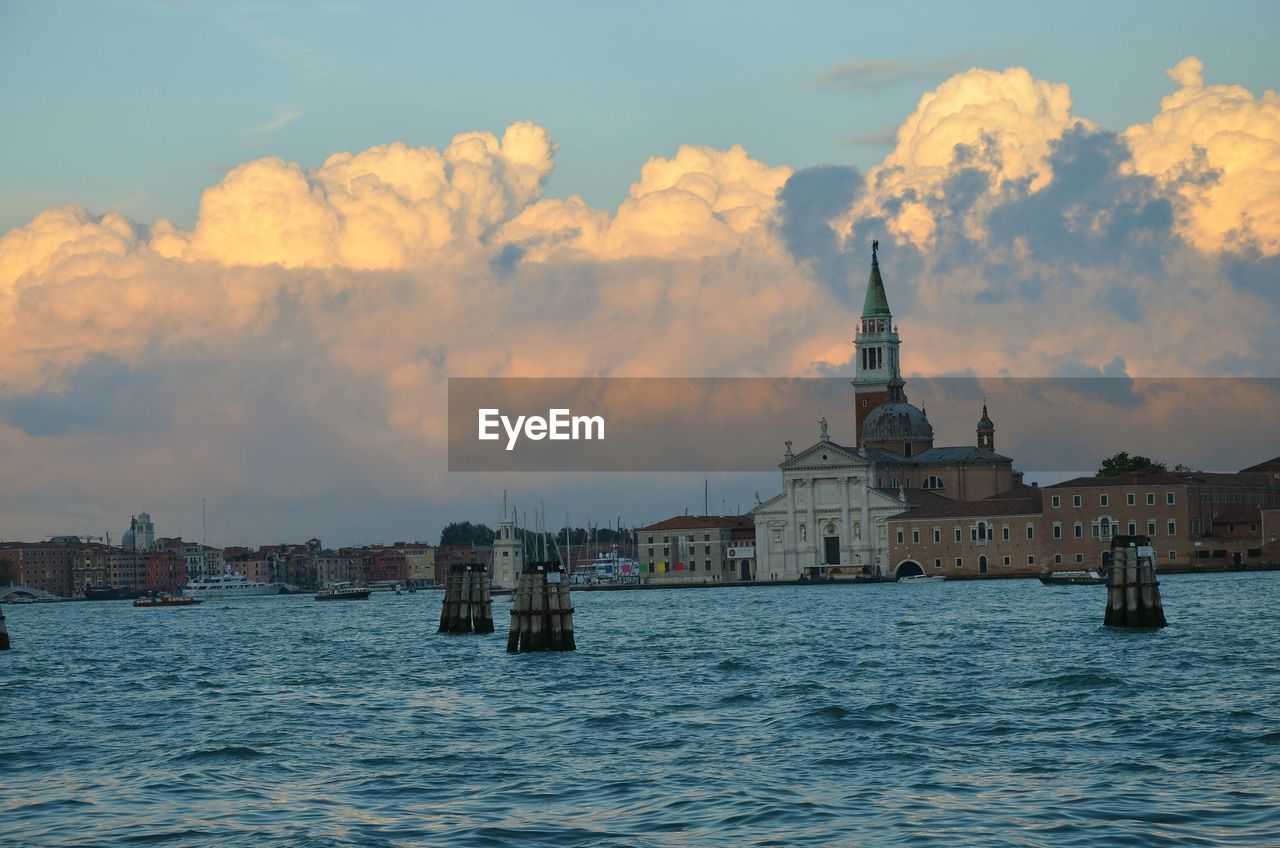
x=290 y=351
x=1218 y=148
x=282 y=119
x=699 y=202
x=998 y=124
x=878 y=74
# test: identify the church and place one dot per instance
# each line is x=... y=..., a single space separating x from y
x=831 y=518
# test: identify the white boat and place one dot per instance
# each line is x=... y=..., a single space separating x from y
x=229 y=586
x=917 y=578
x=343 y=592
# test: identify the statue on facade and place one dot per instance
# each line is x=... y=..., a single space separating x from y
x=822 y=423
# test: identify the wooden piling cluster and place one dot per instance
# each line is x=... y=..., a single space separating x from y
x=468 y=607
x=541 y=611
x=1133 y=595
x=4 y=633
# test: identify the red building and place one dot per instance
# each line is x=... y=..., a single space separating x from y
x=166 y=571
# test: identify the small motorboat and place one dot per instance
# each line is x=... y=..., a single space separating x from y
x=922 y=578
x=343 y=592
x=167 y=601
x=1072 y=578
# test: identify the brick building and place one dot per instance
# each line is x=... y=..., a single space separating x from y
x=695 y=549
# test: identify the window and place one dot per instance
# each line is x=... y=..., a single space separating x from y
x=932 y=482
x=1075 y=500
x=959 y=562
x=1151 y=527
x=706 y=549
x=1173 y=527
x=915 y=535
x=1132 y=530
x=959 y=538
x=1151 y=498
x=900 y=538
x=1031 y=531
x=1079 y=558
x=651 y=540
x=1056 y=501
x=1079 y=530
x=937 y=563
x=937 y=535
x=1173 y=554
x=666 y=552
x=1168 y=498
x=1031 y=559
x=1057 y=529
x=1131 y=499
x=1104 y=500
x=1006 y=561
x=1057 y=559
x=1004 y=532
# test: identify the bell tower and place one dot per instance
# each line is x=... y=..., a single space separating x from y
x=875 y=349
x=986 y=432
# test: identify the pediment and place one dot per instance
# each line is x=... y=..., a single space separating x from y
x=825 y=455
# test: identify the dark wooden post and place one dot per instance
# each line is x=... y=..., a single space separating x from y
x=1133 y=594
x=468 y=607
x=541 y=612
x=4 y=633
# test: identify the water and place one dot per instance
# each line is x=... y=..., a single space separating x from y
x=941 y=714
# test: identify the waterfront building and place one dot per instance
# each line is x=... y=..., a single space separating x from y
x=1199 y=520
x=508 y=554
x=141 y=535
x=166 y=571
x=836 y=499
x=694 y=549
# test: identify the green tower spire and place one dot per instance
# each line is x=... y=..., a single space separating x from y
x=877 y=304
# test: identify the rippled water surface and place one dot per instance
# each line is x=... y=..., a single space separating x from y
x=944 y=714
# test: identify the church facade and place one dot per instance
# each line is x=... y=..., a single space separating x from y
x=831 y=518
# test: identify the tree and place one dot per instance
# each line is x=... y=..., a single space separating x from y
x=1122 y=463
x=466 y=533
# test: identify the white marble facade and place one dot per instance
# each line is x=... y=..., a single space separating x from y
x=829 y=513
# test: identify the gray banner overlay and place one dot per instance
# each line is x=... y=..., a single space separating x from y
x=742 y=424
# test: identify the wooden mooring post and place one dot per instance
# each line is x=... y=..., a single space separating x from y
x=541 y=611
x=468 y=607
x=1133 y=594
x=4 y=633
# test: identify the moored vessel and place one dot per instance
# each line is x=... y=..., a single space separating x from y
x=343 y=592
x=230 y=585
x=166 y=601
x=1072 y=578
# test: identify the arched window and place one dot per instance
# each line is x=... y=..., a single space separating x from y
x=1105 y=527
x=932 y=482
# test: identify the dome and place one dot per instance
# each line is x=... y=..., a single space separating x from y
x=984 y=424
x=896 y=422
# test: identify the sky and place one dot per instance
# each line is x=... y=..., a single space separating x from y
x=243 y=246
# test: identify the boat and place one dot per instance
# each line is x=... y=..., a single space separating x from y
x=921 y=578
x=230 y=585
x=105 y=592
x=384 y=586
x=166 y=601
x=1072 y=578
x=343 y=592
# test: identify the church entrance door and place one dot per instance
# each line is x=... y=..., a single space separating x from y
x=982 y=565
x=831 y=554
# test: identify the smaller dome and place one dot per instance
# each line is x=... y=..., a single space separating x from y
x=984 y=424
x=896 y=422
